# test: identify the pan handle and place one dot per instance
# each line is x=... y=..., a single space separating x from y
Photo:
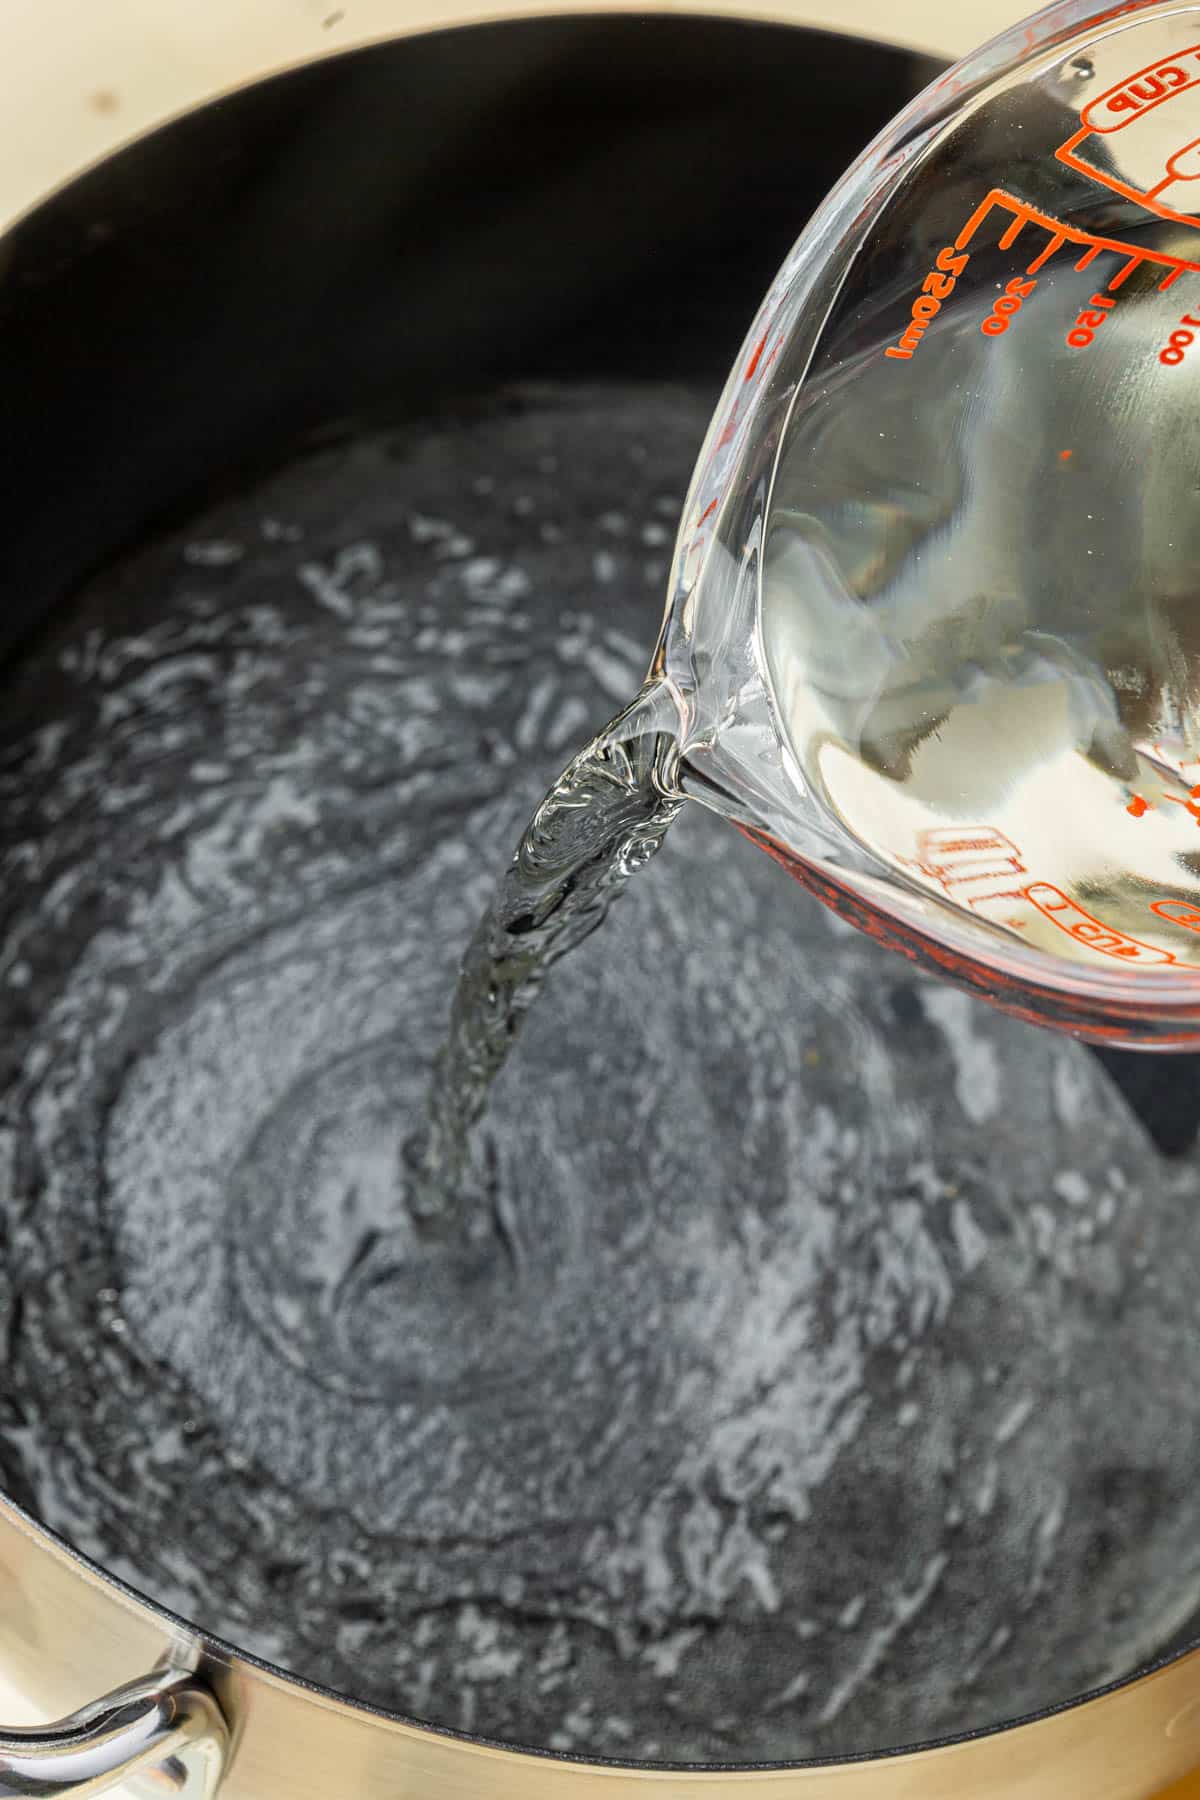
x=168 y=1722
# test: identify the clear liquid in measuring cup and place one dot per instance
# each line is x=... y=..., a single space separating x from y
x=981 y=615
x=975 y=524
x=935 y=623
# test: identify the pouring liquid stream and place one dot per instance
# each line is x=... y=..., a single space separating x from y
x=933 y=629
x=603 y=819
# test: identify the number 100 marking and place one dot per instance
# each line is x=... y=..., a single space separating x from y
x=1172 y=356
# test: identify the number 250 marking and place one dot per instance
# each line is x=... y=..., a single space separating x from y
x=937 y=287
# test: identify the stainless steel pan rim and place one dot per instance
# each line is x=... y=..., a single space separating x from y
x=67 y=1626
x=194 y=1654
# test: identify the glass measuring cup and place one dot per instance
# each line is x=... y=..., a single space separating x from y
x=933 y=637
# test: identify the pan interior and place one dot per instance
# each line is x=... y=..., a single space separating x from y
x=835 y=1382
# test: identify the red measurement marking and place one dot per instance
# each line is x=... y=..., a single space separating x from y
x=1187 y=805
x=1122 y=108
x=1070 y=917
x=1158 y=81
x=936 y=288
x=940 y=283
x=1183 y=166
x=1005 y=309
x=1017 y=992
x=1138 y=807
x=1089 y=321
x=1122 y=275
x=736 y=416
x=753 y=363
x=975 y=857
x=1180 y=341
x=1000 y=200
x=708 y=512
x=1178 y=912
x=1056 y=243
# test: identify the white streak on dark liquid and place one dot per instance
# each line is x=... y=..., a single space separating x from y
x=822 y=1370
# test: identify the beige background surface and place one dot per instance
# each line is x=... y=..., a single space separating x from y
x=80 y=78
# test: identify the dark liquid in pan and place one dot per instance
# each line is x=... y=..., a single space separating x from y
x=826 y=1377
